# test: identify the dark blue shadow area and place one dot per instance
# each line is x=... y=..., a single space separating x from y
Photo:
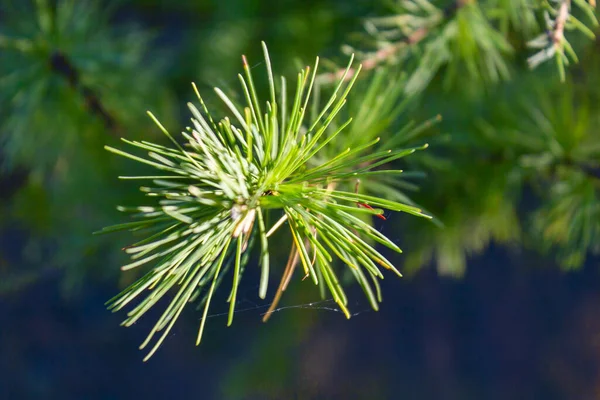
x=505 y=331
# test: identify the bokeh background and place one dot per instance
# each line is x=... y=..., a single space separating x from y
x=501 y=303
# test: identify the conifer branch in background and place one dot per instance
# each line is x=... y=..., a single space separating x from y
x=427 y=38
x=553 y=44
x=414 y=29
x=68 y=63
x=464 y=36
x=62 y=65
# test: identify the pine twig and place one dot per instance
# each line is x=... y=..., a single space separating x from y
x=285 y=280
x=553 y=42
x=558 y=33
x=390 y=51
x=377 y=58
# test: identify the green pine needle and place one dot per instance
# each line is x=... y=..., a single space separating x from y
x=212 y=191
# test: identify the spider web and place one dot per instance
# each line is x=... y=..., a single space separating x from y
x=248 y=306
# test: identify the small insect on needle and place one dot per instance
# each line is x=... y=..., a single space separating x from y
x=365 y=205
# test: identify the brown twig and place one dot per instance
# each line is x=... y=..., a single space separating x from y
x=285 y=280
x=377 y=58
x=558 y=33
x=388 y=52
x=62 y=65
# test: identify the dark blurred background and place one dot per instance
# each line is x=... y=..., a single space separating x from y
x=505 y=318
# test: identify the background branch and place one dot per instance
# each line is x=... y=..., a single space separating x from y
x=62 y=65
x=391 y=50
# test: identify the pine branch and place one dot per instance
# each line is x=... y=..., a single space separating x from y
x=214 y=191
x=376 y=58
x=553 y=43
x=554 y=36
x=388 y=52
